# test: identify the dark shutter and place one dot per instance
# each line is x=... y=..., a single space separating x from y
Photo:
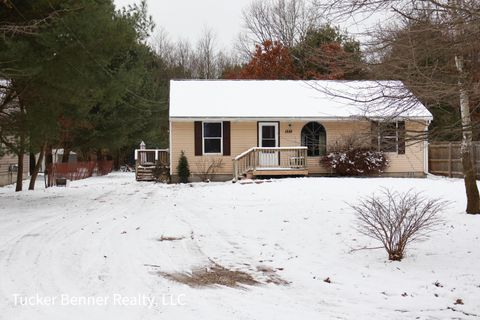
x=198 y=138
x=374 y=135
x=401 y=137
x=226 y=138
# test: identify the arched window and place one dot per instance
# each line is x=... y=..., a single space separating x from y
x=314 y=137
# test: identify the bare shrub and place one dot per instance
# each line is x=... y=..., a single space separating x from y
x=207 y=167
x=354 y=156
x=398 y=219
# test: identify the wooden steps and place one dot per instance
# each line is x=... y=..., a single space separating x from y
x=145 y=173
x=152 y=165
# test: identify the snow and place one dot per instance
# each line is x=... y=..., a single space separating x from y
x=98 y=239
x=3 y=88
x=60 y=151
x=277 y=99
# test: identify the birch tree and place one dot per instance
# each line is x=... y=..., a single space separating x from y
x=441 y=67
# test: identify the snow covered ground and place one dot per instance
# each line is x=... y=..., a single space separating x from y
x=93 y=249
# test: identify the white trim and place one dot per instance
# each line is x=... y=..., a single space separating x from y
x=260 y=135
x=293 y=119
x=221 y=139
x=268 y=158
x=425 y=149
x=170 y=146
x=258 y=148
x=397 y=137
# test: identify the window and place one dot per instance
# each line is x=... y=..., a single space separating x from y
x=268 y=135
x=314 y=137
x=391 y=136
x=212 y=137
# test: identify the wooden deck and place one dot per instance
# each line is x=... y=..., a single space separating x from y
x=279 y=161
x=151 y=164
x=280 y=172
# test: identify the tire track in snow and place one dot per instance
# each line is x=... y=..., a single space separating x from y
x=37 y=264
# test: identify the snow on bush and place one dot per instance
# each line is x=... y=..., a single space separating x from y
x=356 y=162
x=397 y=219
x=353 y=155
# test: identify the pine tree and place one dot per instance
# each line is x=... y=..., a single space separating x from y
x=183 y=168
x=86 y=80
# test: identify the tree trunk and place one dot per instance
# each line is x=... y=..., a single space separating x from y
x=48 y=164
x=21 y=145
x=116 y=160
x=469 y=166
x=20 y=157
x=99 y=155
x=32 y=163
x=66 y=155
x=35 y=171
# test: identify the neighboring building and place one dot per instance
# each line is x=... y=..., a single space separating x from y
x=284 y=127
x=57 y=157
x=8 y=162
x=8 y=169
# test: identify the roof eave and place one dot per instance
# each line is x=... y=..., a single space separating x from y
x=308 y=118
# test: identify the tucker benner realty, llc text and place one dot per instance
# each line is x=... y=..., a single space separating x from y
x=141 y=300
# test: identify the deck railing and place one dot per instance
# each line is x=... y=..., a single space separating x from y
x=151 y=157
x=279 y=158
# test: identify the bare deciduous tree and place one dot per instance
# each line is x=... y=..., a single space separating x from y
x=204 y=61
x=443 y=67
x=206 y=55
x=286 y=21
x=397 y=219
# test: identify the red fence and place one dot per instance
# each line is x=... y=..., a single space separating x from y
x=78 y=170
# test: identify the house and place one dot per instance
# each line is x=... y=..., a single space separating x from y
x=282 y=127
x=57 y=157
x=8 y=161
x=9 y=168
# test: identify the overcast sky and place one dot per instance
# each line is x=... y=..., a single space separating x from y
x=186 y=18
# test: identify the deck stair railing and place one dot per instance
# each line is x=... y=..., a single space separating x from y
x=150 y=157
x=147 y=160
x=266 y=159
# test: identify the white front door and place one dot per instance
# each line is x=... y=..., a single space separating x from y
x=268 y=138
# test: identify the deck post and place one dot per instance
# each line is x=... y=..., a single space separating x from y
x=147 y=160
x=450 y=159
x=235 y=170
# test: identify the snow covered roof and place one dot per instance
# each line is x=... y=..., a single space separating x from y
x=327 y=99
x=60 y=151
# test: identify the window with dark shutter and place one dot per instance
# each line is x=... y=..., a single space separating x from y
x=212 y=137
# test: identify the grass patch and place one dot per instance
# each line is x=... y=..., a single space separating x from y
x=212 y=275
